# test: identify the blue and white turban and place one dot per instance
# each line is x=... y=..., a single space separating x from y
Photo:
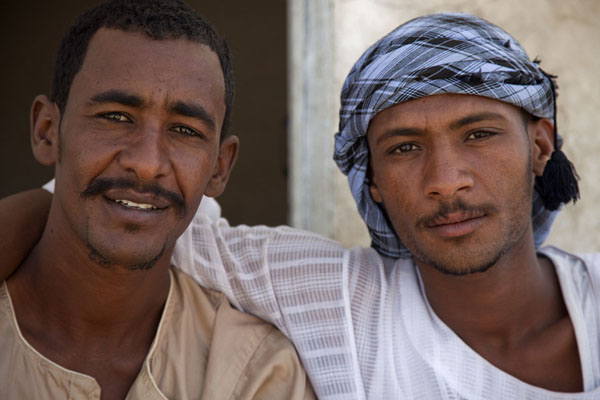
x=434 y=54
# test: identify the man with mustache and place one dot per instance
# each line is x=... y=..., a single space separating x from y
x=448 y=137
x=137 y=129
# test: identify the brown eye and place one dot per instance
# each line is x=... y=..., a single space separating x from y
x=115 y=116
x=405 y=148
x=479 y=135
x=184 y=130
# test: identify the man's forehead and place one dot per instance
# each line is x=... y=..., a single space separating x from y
x=168 y=71
x=136 y=47
x=448 y=108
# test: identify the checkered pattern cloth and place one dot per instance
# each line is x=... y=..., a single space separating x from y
x=434 y=54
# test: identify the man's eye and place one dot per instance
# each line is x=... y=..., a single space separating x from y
x=186 y=131
x=115 y=116
x=405 y=148
x=479 y=135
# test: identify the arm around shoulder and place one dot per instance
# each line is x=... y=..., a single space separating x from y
x=22 y=218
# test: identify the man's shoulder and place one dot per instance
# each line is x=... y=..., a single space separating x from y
x=197 y=302
x=581 y=266
x=189 y=293
x=228 y=324
x=589 y=259
x=245 y=352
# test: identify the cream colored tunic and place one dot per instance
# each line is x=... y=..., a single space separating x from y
x=203 y=349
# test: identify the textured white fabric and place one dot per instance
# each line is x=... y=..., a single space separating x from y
x=362 y=324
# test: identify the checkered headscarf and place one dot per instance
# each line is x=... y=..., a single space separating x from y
x=440 y=53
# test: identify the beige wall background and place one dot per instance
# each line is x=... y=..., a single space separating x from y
x=328 y=36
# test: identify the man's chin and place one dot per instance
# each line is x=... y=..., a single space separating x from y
x=462 y=269
x=128 y=261
x=460 y=263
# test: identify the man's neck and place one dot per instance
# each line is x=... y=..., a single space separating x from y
x=74 y=292
x=501 y=302
x=73 y=310
x=513 y=315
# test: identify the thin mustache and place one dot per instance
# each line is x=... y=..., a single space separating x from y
x=459 y=205
x=101 y=185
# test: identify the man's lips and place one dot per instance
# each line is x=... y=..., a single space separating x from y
x=131 y=213
x=456 y=218
x=137 y=200
x=457 y=224
x=130 y=195
x=138 y=206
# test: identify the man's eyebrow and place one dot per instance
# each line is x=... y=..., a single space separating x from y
x=398 y=132
x=193 y=111
x=178 y=107
x=479 y=117
x=117 y=96
x=464 y=121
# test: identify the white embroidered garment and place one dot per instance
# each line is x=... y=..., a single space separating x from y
x=361 y=323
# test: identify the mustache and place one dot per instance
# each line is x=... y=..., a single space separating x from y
x=101 y=185
x=458 y=205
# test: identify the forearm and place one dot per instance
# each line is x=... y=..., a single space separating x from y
x=22 y=221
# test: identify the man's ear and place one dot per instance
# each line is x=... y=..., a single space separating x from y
x=542 y=134
x=373 y=185
x=375 y=193
x=228 y=152
x=44 y=122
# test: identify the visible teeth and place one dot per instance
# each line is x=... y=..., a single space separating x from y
x=131 y=204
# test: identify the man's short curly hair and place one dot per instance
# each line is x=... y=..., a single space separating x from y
x=158 y=19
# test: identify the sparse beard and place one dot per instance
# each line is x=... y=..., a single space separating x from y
x=105 y=261
x=111 y=253
x=476 y=257
x=482 y=266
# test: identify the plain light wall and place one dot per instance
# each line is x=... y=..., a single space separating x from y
x=565 y=35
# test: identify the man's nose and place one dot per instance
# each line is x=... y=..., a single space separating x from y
x=447 y=173
x=146 y=154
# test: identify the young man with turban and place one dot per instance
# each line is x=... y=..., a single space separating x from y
x=448 y=137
